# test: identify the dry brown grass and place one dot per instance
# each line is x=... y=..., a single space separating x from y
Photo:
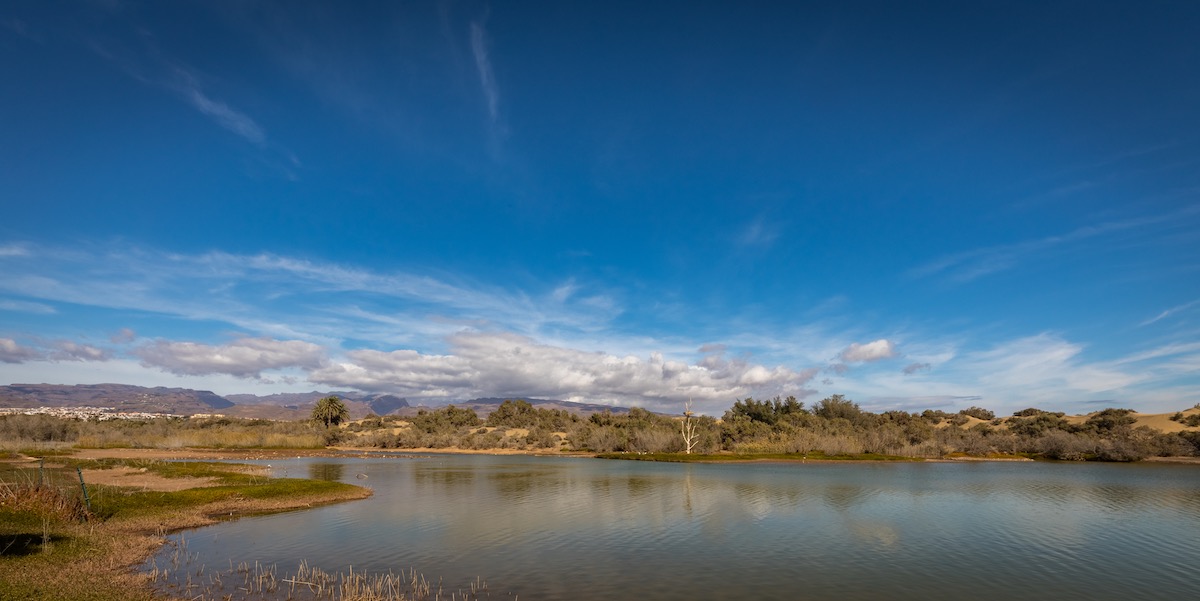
x=46 y=501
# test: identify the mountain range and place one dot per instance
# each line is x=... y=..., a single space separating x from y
x=282 y=406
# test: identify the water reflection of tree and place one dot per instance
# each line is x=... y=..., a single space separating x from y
x=326 y=471
x=518 y=485
x=845 y=496
x=687 y=490
x=446 y=477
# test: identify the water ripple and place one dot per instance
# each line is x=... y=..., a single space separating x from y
x=553 y=528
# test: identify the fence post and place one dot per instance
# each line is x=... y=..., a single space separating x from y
x=86 y=499
x=41 y=471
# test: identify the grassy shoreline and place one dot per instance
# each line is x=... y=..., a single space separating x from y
x=50 y=553
x=815 y=456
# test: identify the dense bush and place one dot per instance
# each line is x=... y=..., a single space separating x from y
x=1038 y=424
x=37 y=429
x=838 y=407
x=521 y=414
x=978 y=413
x=1110 y=419
x=767 y=412
x=447 y=420
x=1058 y=444
x=1191 y=421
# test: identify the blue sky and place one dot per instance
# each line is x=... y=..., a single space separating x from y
x=929 y=205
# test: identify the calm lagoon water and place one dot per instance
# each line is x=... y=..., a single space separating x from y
x=546 y=528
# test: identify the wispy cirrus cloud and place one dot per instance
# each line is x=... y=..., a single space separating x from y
x=1044 y=366
x=22 y=28
x=136 y=53
x=1172 y=311
x=27 y=307
x=487 y=76
x=221 y=113
x=758 y=233
x=286 y=297
x=441 y=336
x=973 y=264
x=14 y=250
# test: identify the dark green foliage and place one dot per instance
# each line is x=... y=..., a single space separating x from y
x=767 y=412
x=521 y=414
x=447 y=420
x=513 y=414
x=742 y=428
x=1191 y=421
x=1037 y=425
x=914 y=428
x=1030 y=412
x=934 y=416
x=330 y=411
x=1110 y=419
x=837 y=407
x=978 y=413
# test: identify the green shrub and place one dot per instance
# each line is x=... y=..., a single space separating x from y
x=978 y=413
x=1110 y=419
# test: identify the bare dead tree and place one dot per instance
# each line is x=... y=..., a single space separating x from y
x=688 y=428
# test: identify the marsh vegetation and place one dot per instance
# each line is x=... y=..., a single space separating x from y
x=65 y=537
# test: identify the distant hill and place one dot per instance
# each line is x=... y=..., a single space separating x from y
x=281 y=406
x=298 y=405
x=122 y=397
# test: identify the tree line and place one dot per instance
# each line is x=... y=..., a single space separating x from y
x=833 y=426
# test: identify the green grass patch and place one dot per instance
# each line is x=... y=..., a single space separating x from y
x=50 y=548
x=1000 y=456
x=48 y=452
x=109 y=503
x=226 y=473
x=733 y=457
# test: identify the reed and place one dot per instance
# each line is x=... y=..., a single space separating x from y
x=254 y=582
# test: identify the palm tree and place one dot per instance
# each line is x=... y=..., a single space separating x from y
x=330 y=411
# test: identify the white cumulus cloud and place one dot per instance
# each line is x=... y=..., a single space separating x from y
x=872 y=351
x=11 y=352
x=495 y=364
x=66 y=350
x=243 y=358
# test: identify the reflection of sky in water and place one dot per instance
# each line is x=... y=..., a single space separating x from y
x=558 y=528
